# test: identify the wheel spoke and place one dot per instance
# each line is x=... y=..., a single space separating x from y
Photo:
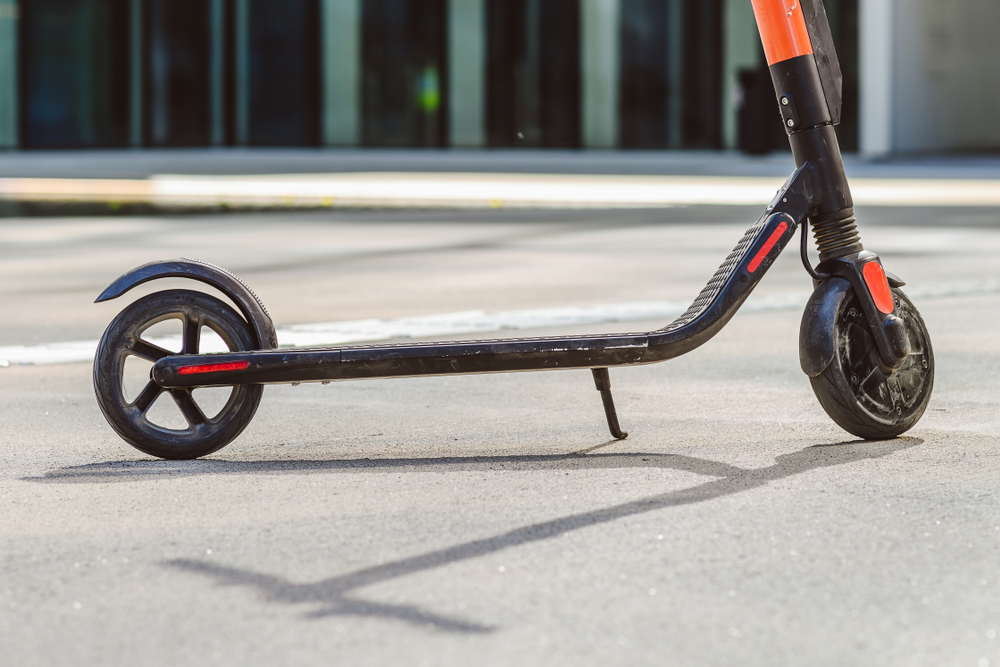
x=868 y=377
x=189 y=408
x=148 y=351
x=147 y=396
x=863 y=358
x=913 y=362
x=906 y=400
x=192 y=334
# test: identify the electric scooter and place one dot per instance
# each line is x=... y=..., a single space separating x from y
x=862 y=342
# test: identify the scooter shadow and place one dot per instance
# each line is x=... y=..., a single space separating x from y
x=587 y=459
x=333 y=596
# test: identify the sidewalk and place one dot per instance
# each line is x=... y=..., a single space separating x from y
x=314 y=178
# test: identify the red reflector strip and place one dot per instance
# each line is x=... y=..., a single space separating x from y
x=878 y=286
x=214 y=368
x=762 y=253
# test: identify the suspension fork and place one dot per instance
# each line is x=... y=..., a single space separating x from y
x=808 y=85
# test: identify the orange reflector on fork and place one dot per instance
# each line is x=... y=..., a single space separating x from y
x=878 y=286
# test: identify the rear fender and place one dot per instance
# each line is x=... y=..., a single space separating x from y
x=227 y=283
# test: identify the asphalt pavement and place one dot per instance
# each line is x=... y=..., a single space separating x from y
x=150 y=162
x=491 y=519
x=228 y=179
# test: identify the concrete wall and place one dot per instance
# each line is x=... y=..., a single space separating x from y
x=467 y=73
x=8 y=73
x=217 y=69
x=947 y=75
x=875 y=77
x=600 y=30
x=135 y=129
x=930 y=76
x=341 y=71
x=740 y=50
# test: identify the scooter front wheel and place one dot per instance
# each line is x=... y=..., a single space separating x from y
x=859 y=393
x=172 y=423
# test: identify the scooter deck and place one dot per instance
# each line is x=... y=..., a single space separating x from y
x=710 y=311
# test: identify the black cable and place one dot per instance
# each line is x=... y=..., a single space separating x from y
x=805 y=255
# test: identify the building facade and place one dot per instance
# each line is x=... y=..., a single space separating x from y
x=643 y=74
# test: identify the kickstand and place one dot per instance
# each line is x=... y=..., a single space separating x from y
x=603 y=382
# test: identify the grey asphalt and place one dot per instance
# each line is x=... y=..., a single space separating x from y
x=490 y=519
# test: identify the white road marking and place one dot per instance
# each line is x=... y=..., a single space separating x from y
x=470 y=322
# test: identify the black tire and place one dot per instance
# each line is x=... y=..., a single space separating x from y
x=860 y=394
x=130 y=419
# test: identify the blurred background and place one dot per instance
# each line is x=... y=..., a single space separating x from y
x=919 y=75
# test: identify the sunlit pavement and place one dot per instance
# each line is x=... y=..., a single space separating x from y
x=490 y=519
x=287 y=179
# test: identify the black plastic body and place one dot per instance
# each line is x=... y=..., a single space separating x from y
x=808 y=93
x=717 y=303
x=816 y=334
x=224 y=281
x=827 y=63
x=887 y=328
x=811 y=135
x=818 y=147
x=799 y=90
x=818 y=190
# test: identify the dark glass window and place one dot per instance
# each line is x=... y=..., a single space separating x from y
x=671 y=74
x=701 y=78
x=284 y=72
x=533 y=72
x=404 y=80
x=75 y=73
x=644 y=80
x=177 y=101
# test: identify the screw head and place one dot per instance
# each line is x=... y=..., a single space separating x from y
x=791 y=122
x=784 y=101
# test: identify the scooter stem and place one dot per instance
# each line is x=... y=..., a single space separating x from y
x=808 y=85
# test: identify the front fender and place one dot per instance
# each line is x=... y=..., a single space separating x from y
x=227 y=283
x=816 y=334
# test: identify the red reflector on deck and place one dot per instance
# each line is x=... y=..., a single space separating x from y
x=214 y=368
x=878 y=286
x=762 y=253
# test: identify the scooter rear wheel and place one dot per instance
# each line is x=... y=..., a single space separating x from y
x=188 y=426
x=858 y=392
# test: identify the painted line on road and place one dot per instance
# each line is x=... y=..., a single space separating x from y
x=469 y=322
